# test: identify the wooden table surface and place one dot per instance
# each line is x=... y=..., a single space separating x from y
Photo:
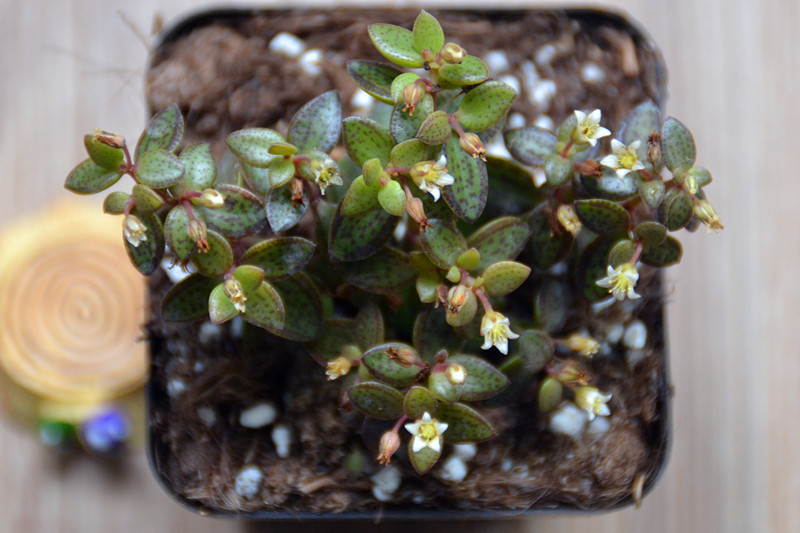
x=69 y=66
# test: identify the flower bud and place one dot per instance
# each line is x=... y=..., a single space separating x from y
x=453 y=53
x=456 y=373
x=654 y=148
x=690 y=184
x=582 y=344
x=211 y=199
x=198 y=233
x=571 y=374
x=109 y=139
x=390 y=442
x=569 y=219
x=412 y=95
x=473 y=145
x=233 y=290
x=416 y=211
x=706 y=213
x=338 y=367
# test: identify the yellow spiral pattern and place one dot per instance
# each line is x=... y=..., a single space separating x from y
x=71 y=307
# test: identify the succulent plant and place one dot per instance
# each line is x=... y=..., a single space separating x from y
x=443 y=247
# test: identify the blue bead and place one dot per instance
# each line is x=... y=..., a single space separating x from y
x=105 y=432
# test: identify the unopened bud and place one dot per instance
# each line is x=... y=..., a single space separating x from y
x=390 y=442
x=706 y=213
x=457 y=296
x=198 y=233
x=296 y=187
x=568 y=219
x=654 y=148
x=453 y=53
x=412 y=95
x=582 y=344
x=233 y=290
x=416 y=211
x=110 y=139
x=209 y=198
x=571 y=374
x=456 y=373
x=473 y=145
x=690 y=184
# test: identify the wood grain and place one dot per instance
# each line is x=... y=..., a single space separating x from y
x=71 y=66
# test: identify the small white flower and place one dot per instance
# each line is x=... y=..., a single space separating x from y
x=591 y=400
x=135 y=232
x=338 y=367
x=495 y=331
x=233 y=290
x=430 y=176
x=623 y=159
x=588 y=128
x=621 y=281
x=325 y=172
x=427 y=433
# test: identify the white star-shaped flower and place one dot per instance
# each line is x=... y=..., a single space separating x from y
x=588 y=128
x=591 y=400
x=621 y=281
x=623 y=159
x=495 y=331
x=427 y=433
x=430 y=176
x=134 y=231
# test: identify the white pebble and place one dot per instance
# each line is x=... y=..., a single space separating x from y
x=508 y=79
x=207 y=415
x=544 y=122
x=453 y=469
x=208 y=332
x=248 y=481
x=465 y=451
x=237 y=327
x=516 y=120
x=635 y=335
x=497 y=61
x=258 y=415
x=544 y=54
x=497 y=148
x=543 y=92
x=539 y=178
x=506 y=465
x=529 y=75
x=199 y=366
x=634 y=357
x=282 y=439
x=614 y=334
x=598 y=426
x=602 y=305
x=592 y=74
x=310 y=62
x=175 y=388
x=174 y=271
x=287 y=44
x=568 y=420
x=361 y=100
x=401 y=229
x=385 y=483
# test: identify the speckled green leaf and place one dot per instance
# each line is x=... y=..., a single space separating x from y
x=146 y=199
x=443 y=243
x=469 y=260
x=408 y=153
x=336 y=334
x=504 y=277
x=282 y=213
x=464 y=423
x=467 y=196
x=427 y=33
x=364 y=139
x=546 y=248
x=395 y=44
x=603 y=217
x=621 y=252
x=652 y=192
x=485 y=105
x=249 y=276
x=374 y=78
x=677 y=147
x=369 y=327
x=281 y=172
x=103 y=155
x=386 y=272
x=392 y=198
x=551 y=305
x=303 y=306
x=676 y=209
x=188 y=299
x=535 y=348
x=163 y=132
x=424 y=459
x=502 y=238
x=550 y=394
x=89 y=178
x=159 y=169
x=483 y=379
x=403 y=125
x=471 y=71
x=243 y=213
x=360 y=198
x=435 y=129
x=147 y=256
x=426 y=285
x=220 y=308
x=701 y=175
x=115 y=202
x=611 y=187
x=652 y=233
x=432 y=333
x=442 y=389
x=219 y=257
x=358 y=237
x=258 y=179
x=558 y=170
x=418 y=401
x=176 y=233
x=637 y=125
x=281 y=256
x=252 y=145
x=264 y=308
x=592 y=266
x=530 y=145
x=318 y=124
x=667 y=253
x=201 y=169
x=377 y=400
x=388 y=370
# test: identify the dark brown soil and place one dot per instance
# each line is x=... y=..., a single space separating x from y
x=225 y=78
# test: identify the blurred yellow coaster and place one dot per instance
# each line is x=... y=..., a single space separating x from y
x=71 y=311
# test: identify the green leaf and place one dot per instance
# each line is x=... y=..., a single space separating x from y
x=443 y=243
x=159 y=169
x=441 y=388
x=377 y=400
x=115 y=202
x=621 y=252
x=318 y=124
x=252 y=145
x=404 y=125
x=176 y=233
x=467 y=196
x=220 y=308
x=336 y=334
x=146 y=199
x=89 y=178
x=303 y=307
x=389 y=370
x=469 y=260
x=249 y=276
x=201 y=170
x=243 y=213
x=369 y=327
x=400 y=83
x=427 y=33
x=677 y=209
x=504 y=277
x=530 y=145
x=103 y=155
x=264 y=308
x=395 y=44
x=667 y=253
x=147 y=256
x=603 y=217
x=535 y=349
x=502 y=238
x=637 y=125
x=256 y=178
x=360 y=197
x=418 y=401
x=219 y=257
x=374 y=78
x=280 y=257
x=550 y=394
x=558 y=170
x=356 y=238
x=408 y=153
x=365 y=139
x=432 y=334
x=551 y=305
x=470 y=71
x=485 y=105
x=546 y=248
x=281 y=172
x=651 y=233
x=392 y=198
x=386 y=272
x=163 y=132
x=702 y=175
x=652 y=192
x=592 y=266
x=424 y=459
x=188 y=299
x=677 y=147
x=464 y=424
x=435 y=129
x=483 y=379
x=282 y=213
x=611 y=187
